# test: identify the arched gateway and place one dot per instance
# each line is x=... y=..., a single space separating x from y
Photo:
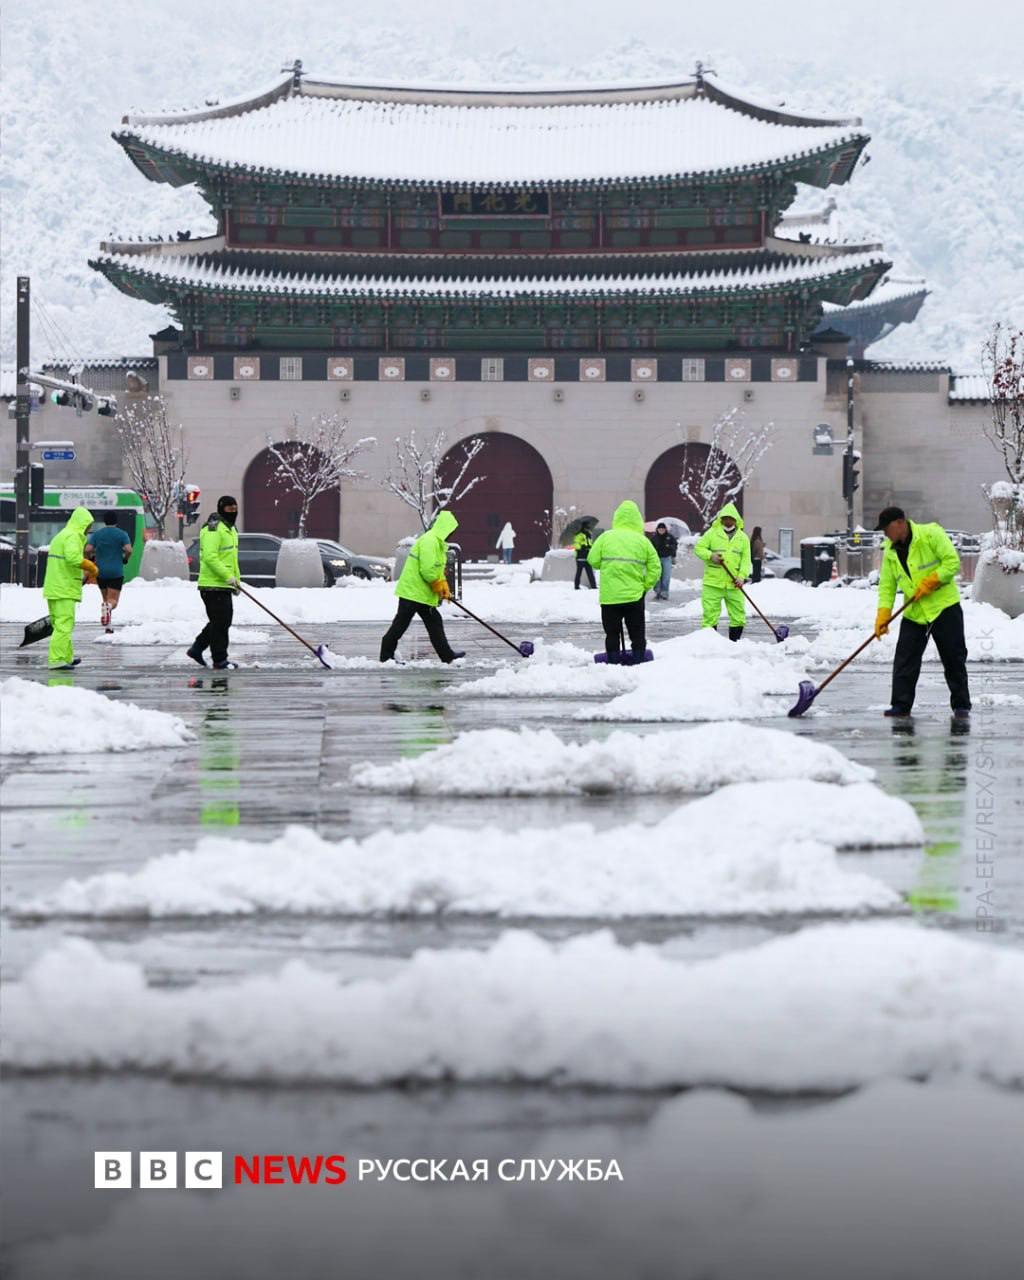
x=268 y=506
x=661 y=492
x=517 y=487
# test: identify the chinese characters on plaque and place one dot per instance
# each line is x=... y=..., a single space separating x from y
x=491 y=204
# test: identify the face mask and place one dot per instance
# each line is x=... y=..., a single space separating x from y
x=229 y=517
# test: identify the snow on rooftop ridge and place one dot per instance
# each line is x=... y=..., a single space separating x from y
x=419 y=142
x=970 y=386
x=203 y=274
x=300 y=83
x=907 y=366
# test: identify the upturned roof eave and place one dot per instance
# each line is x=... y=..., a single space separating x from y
x=172 y=156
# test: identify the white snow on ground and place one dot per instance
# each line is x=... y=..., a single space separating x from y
x=754 y=848
x=828 y=1008
x=991 y=637
x=713 y=1185
x=703 y=676
x=535 y=762
x=175 y=632
x=56 y=719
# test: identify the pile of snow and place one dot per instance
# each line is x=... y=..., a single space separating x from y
x=55 y=719
x=176 y=632
x=704 y=676
x=754 y=848
x=535 y=762
x=991 y=637
x=828 y=1008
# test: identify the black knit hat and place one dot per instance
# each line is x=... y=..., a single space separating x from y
x=887 y=516
x=226 y=501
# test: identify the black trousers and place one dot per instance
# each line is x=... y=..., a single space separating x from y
x=755 y=570
x=613 y=616
x=948 y=633
x=407 y=610
x=582 y=567
x=220 y=609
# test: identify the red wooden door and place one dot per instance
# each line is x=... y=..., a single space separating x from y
x=517 y=487
x=661 y=492
x=268 y=506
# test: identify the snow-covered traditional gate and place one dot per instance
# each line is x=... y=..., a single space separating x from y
x=517 y=488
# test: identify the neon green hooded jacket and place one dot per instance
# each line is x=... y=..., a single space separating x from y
x=930 y=552
x=218 y=554
x=63 y=579
x=426 y=561
x=735 y=550
x=626 y=557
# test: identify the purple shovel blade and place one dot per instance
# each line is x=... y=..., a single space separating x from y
x=781 y=632
x=325 y=656
x=526 y=648
x=804 y=699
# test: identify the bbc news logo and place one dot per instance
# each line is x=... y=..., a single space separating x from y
x=204 y=1170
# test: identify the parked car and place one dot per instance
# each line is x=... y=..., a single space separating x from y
x=776 y=566
x=359 y=566
x=257 y=559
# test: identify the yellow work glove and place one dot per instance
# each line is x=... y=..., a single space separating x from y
x=882 y=623
x=89 y=568
x=441 y=588
x=927 y=585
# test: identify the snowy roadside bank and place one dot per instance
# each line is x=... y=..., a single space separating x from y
x=826 y=1009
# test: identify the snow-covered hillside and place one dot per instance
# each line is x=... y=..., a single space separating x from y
x=943 y=190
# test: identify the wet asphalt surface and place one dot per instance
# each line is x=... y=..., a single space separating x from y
x=274 y=745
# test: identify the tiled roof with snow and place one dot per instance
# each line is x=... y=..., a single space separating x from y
x=513 y=138
x=969 y=386
x=197 y=273
x=887 y=292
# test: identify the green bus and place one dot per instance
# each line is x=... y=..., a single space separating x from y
x=59 y=502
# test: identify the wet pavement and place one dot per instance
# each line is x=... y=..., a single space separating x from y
x=274 y=744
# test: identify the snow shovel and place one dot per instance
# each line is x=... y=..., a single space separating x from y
x=321 y=652
x=524 y=648
x=780 y=632
x=38 y=630
x=625 y=657
x=808 y=692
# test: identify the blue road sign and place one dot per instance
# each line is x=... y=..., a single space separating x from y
x=58 y=455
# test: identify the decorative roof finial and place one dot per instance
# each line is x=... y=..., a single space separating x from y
x=699 y=72
x=297 y=73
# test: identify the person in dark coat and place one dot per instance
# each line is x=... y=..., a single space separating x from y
x=666 y=546
x=756 y=554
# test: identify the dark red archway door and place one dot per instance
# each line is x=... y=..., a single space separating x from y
x=268 y=506
x=517 y=487
x=661 y=492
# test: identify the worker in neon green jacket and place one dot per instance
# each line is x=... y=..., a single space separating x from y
x=219 y=579
x=920 y=562
x=725 y=550
x=629 y=567
x=421 y=587
x=62 y=586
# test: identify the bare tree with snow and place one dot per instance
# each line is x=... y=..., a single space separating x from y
x=554 y=524
x=316 y=459
x=416 y=474
x=154 y=456
x=1003 y=358
x=735 y=451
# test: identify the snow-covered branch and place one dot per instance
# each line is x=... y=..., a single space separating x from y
x=417 y=474
x=154 y=456
x=316 y=459
x=732 y=458
x=1004 y=365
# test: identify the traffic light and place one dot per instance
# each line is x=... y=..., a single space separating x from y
x=106 y=406
x=63 y=398
x=851 y=473
x=37 y=483
x=188 y=504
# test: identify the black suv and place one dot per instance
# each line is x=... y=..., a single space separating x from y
x=257 y=559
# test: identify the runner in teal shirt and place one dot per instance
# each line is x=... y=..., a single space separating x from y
x=110 y=547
